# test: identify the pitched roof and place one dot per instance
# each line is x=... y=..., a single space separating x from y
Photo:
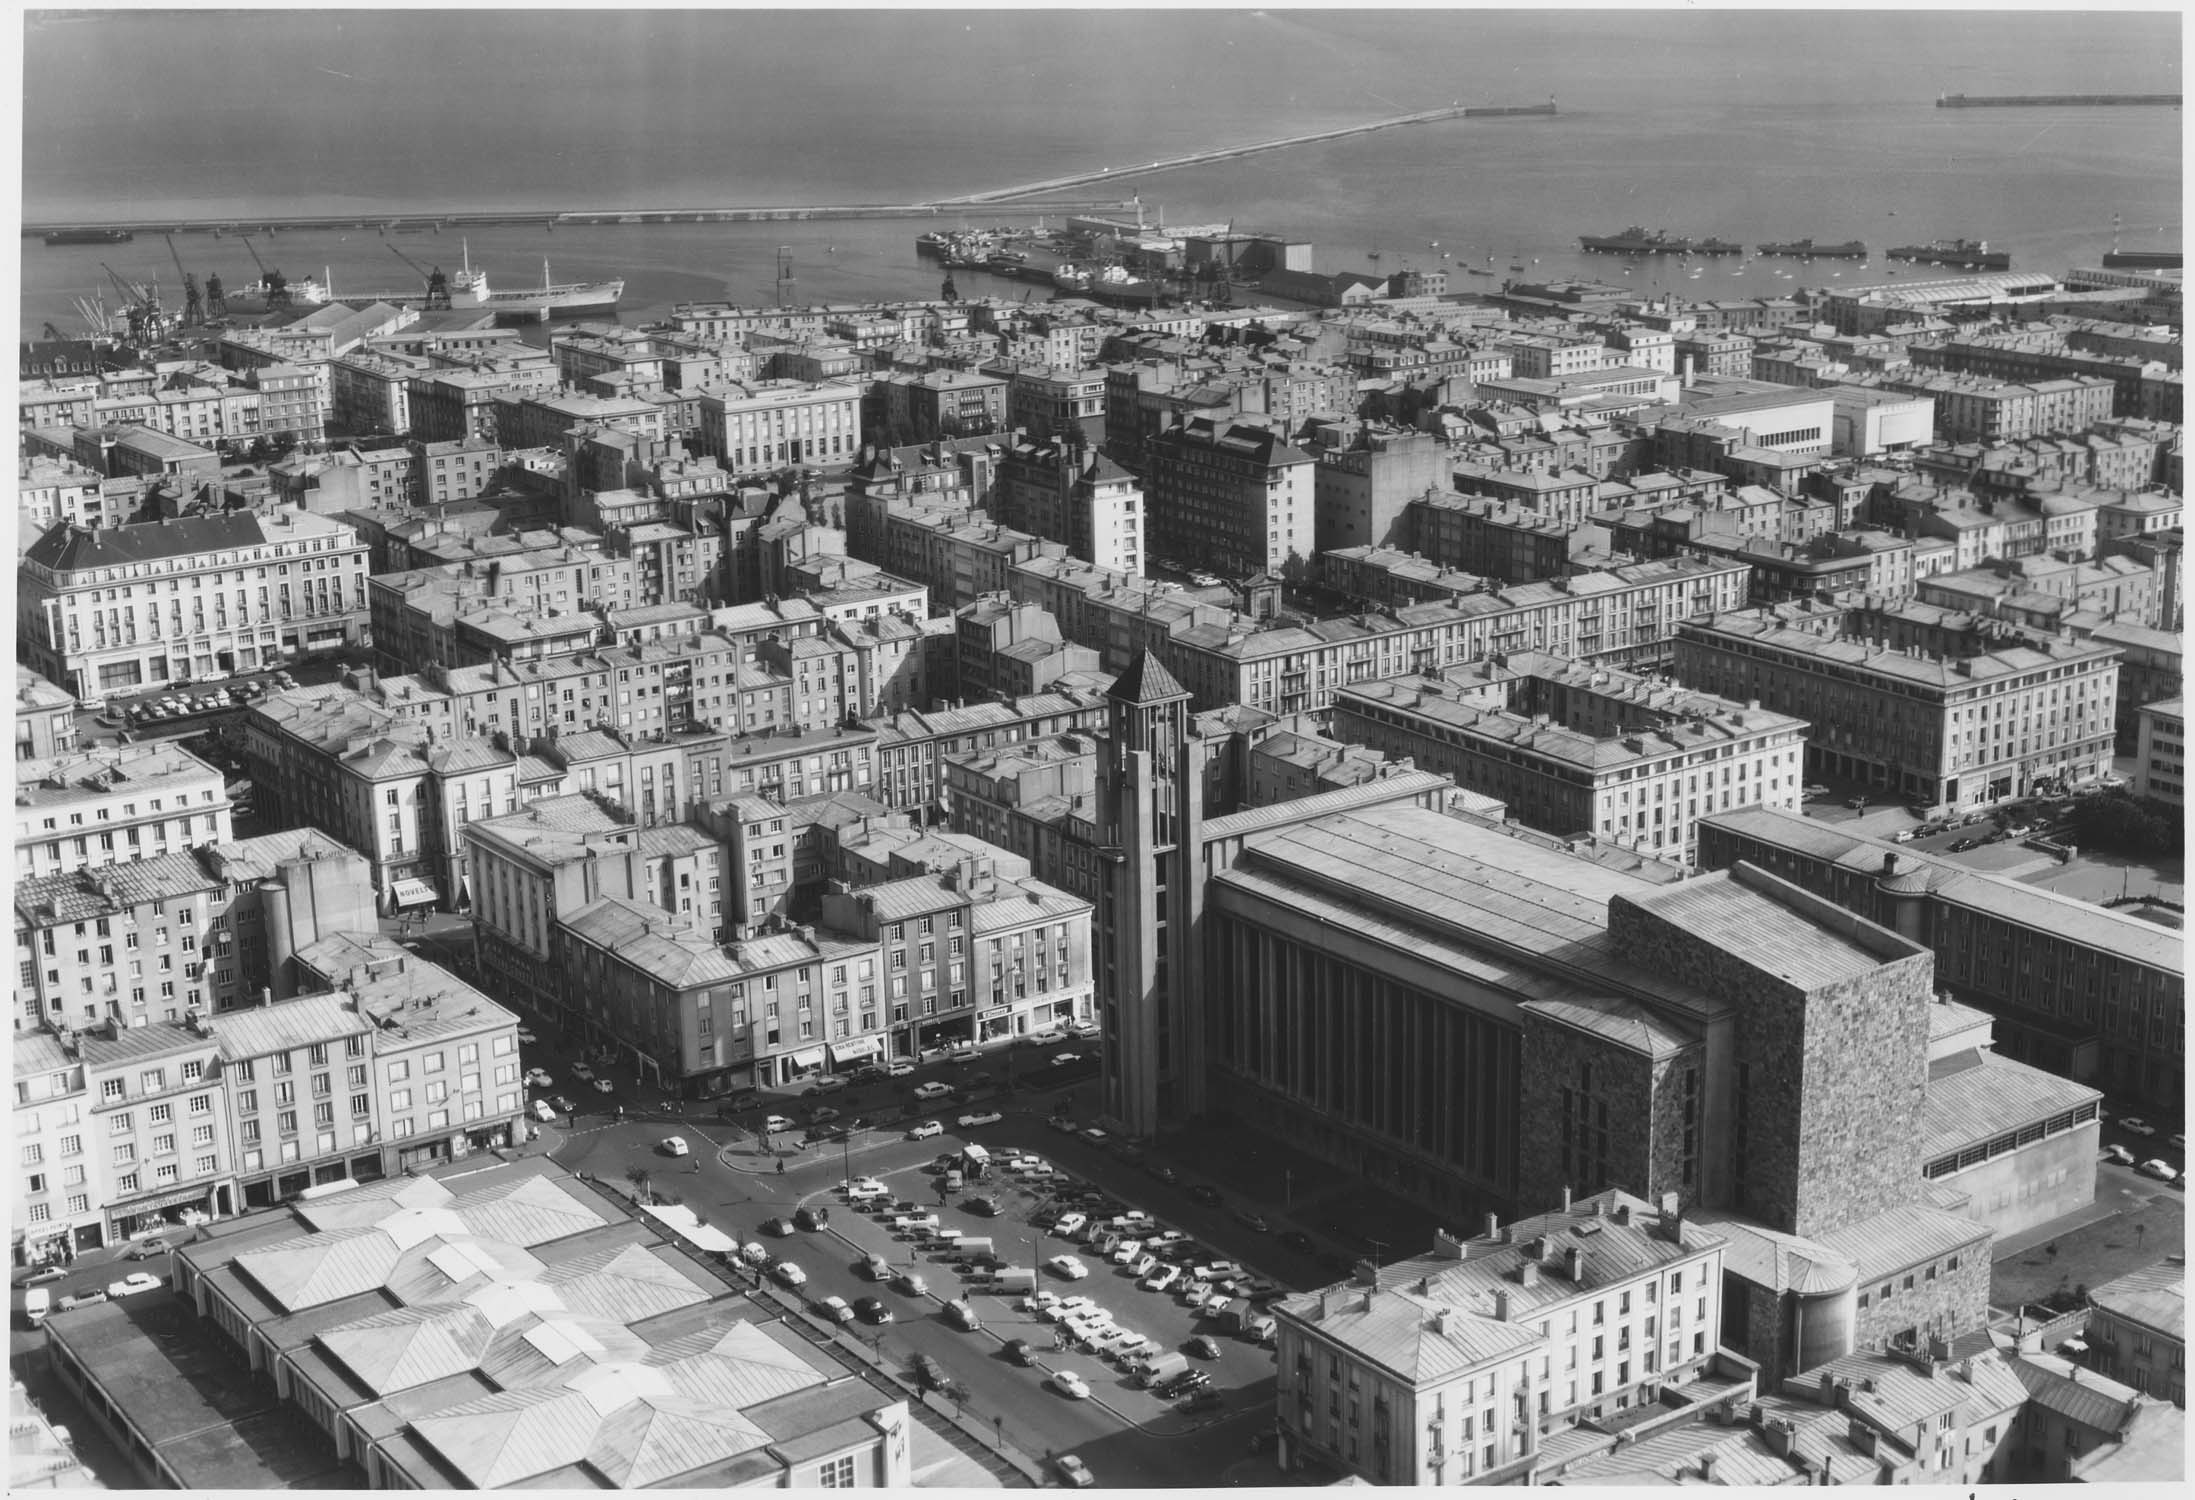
x=2155 y=1297
x=1145 y=681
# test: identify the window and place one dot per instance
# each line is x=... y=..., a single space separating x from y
x=838 y=1474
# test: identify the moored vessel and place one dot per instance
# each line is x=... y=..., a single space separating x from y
x=1808 y=250
x=90 y=237
x=1635 y=241
x=1968 y=255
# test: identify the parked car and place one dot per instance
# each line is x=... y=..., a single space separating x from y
x=1071 y=1385
x=1161 y=1278
x=899 y=1069
x=1960 y=846
x=929 y=1372
x=2158 y=1168
x=540 y=1078
x=2120 y=1155
x=828 y=1084
x=45 y=1274
x=772 y=1124
x=785 y=1273
x=90 y=1297
x=674 y=1145
x=132 y=1284
x=2136 y=1126
x=988 y=1117
x=823 y=1115
x=147 y=1249
x=1204 y=1346
x=582 y=1072
x=1204 y=1400
x=835 y=1308
x=869 y=1074
x=872 y=1310
x=963 y=1054
x=1069 y=1267
x=1067 y=1226
x=932 y=1090
x=987 y=1208
x=909 y=1283
x=812 y=1216
x=604 y=1086
x=925 y=1130
x=863 y=1188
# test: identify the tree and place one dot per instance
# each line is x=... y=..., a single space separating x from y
x=639 y=1177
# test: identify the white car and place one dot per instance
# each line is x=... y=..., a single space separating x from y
x=2133 y=1126
x=754 y=1254
x=1074 y=1471
x=1084 y=1029
x=1062 y=1059
x=788 y=1274
x=604 y=1086
x=1069 y=1267
x=837 y=1309
x=1126 y=1251
x=775 y=1123
x=2119 y=1155
x=132 y=1284
x=1068 y=1308
x=963 y=1054
x=1067 y=1226
x=1071 y=1385
x=932 y=1090
x=674 y=1145
x=540 y=1078
x=1040 y=1303
x=1162 y=1278
x=526 y=1036
x=582 y=1072
x=900 y=1069
x=968 y=1122
x=864 y=1189
x=925 y=1130
x=2157 y=1168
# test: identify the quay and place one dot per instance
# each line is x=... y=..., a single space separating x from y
x=1230 y=153
x=2039 y=101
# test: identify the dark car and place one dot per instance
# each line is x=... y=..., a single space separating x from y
x=1020 y=1352
x=1204 y=1400
x=1250 y=1219
x=872 y=1310
x=1204 y=1192
x=987 y=1207
x=1183 y=1384
x=812 y=1217
x=929 y=1372
x=1962 y=845
x=1162 y=1172
x=871 y=1074
x=1297 y=1240
x=779 y=1227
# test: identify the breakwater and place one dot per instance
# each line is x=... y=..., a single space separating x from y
x=2041 y=101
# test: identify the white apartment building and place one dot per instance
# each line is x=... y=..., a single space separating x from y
x=1451 y=1367
x=130 y=607
x=2160 y=767
x=113 y=805
x=765 y=425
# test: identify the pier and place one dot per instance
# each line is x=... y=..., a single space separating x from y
x=1230 y=153
x=1003 y=200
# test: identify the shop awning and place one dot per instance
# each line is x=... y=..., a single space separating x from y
x=415 y=893
x=807 y=1057
x=193 y=1197
x=853 y=1049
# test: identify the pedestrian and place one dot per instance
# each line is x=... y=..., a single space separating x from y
x=781 y=1166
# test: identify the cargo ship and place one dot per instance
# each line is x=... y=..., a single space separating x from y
x=1713 y=246
x=1968 y=255
x=468 y=290
x=1635 y=241
x=1808 y=250
x=90 y=237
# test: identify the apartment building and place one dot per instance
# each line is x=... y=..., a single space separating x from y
x=1626 y=616
x=1935 y=707
x=1058 y=401
x=763 y=426
x=1575 y=749
x=1071 y=493
x=112 y=805
x=912 y=747
x=969 y=954
x=129 y=607
x=45 y=718
x=1977 y=409
x=2137 y=1331
x=1230 y=496
x=1501 y=539
x=2160 y=752
x=1364 y=485
x=1454 y=1367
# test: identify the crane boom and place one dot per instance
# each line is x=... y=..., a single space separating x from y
x=194 y=311
x=438 y=285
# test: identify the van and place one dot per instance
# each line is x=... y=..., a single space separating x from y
x=1012 y=1281
x=1160 y=1367
x=37 y=1302
x=970 y=1246
x=976 y=1157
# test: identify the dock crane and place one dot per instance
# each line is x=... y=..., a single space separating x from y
x=275 y=284
x=438 y=284
x=194 y=311
x=143 y=304
x=217 y=300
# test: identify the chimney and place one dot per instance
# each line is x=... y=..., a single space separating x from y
x=1890 y=863
x=1623 y=1215
x=1493 y=1224
x=1501 y=1304
x=1778 y=1434
x=1573 y=1265
x=1528 y=1274
x=1707 y=1459
x=1566 y=1197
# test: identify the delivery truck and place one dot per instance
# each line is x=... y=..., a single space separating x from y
x=1161 y=1367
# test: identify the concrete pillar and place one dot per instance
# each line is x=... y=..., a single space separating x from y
x=274 y=907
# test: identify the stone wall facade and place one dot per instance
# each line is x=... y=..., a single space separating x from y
x=1830 y=1083
x=1944 y=1300
x=1624 y=1113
